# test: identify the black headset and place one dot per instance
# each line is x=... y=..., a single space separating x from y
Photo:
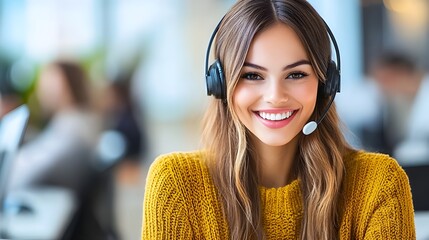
x=215 y=78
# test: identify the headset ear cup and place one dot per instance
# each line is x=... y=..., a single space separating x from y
x=209 y=80
x=215 y=81
x=332 y=83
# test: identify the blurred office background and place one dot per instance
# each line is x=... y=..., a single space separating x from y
x=151 y=53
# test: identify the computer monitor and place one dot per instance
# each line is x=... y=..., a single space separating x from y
x=419 y=176
x=12 y=128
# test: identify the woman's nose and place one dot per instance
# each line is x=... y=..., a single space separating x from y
x=275 y=92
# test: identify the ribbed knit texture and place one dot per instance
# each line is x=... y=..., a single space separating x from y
x=181 y=201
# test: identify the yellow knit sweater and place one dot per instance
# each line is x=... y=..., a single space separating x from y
x=181 y=201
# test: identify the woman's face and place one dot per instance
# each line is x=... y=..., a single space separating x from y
x=277 y=90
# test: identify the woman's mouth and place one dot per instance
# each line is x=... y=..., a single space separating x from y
x=276 y=119
x=275 y=116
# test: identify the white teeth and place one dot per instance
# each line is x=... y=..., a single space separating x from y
x=274 y=116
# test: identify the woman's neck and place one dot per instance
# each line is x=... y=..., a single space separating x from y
x=275 y=163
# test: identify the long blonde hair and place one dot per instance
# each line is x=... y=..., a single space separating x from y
x=231 y=162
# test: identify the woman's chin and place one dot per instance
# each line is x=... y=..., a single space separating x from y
x=275 y=141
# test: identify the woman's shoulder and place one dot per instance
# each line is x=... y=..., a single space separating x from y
x=376 y=197
x=360 y=158
x=183 y=176
x=372 y=166
x=179 y=160
x=179 y=165
x=180 y=194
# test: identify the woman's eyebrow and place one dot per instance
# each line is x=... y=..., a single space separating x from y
x=252 y=65
x=300 y=62
x=295 y=64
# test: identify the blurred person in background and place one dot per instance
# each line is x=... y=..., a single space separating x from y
x=122 y=116
x=61 y=154
x=404 y=98
x=10 y=98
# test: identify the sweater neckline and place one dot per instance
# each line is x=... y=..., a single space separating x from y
x=292 y=186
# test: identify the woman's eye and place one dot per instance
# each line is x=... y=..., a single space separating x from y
x=297 y=75
x=251 y=76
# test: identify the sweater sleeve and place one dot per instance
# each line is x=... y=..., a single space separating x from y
x=165 y=214
x=393 y=215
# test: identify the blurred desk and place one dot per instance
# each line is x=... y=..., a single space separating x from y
x=422 y=224
x=46 y=214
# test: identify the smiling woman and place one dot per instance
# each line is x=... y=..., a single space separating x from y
x=260 y=175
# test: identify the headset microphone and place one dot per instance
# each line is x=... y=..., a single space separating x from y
x=310 y=127
x=331 y=86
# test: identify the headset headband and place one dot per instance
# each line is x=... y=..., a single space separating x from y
x=331 y=36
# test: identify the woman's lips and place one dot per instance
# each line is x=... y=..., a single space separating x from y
x=275 y=118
